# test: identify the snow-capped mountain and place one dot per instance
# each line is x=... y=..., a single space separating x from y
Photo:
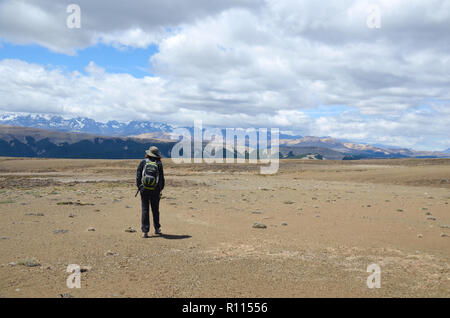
x=85 y=125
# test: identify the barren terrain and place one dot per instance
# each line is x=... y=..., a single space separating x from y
x=326 y=221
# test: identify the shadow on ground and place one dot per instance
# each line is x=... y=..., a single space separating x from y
x=171 y=236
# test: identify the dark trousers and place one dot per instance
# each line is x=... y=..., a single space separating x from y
x=149 y=197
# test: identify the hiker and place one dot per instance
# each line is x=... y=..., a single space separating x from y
x=150 y=183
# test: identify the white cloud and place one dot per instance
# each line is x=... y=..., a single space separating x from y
x=98 y=94
x=135 y=23
x=237 y=63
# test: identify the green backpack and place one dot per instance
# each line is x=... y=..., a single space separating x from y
x=150 y=175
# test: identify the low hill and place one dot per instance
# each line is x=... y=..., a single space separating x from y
x=301 y=152
x=34 y=142
x=351 y=150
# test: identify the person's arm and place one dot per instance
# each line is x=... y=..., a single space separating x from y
x=161 y=177
x=139 y=174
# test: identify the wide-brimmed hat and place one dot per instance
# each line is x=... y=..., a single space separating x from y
x=153 y=152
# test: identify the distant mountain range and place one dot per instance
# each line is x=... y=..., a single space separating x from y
x=35 y=142
x=336 y=149
x=85 y=125
x=54 y=136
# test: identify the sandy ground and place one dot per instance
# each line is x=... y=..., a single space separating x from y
x=326 y=222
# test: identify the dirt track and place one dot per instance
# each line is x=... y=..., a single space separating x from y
x=326 y=222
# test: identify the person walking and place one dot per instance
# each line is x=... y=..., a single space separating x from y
x=150 y=182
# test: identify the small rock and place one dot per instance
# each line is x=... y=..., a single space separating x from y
x=31 y=262
x=444 y=235
x=74 y=203
x=60 y=231
x=419 y=235
x=127 y=207
x=66 y=295
x=110 y=253
x=431 y=218
x=130 y=230
x=91 y=229
x=71 y=215
x=257 y=225
x=399 y=210
x=256 y=212
x=284 y=224
x=4 y=238
x=445 y=226
x=84 y=269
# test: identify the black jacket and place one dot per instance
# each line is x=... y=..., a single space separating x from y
x=161 y=173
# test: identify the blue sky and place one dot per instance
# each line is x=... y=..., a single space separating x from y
x=328 y=110
x=133 y=61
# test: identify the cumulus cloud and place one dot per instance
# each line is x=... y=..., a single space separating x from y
x=247 y=63
x=136 y=23
x=26 y=87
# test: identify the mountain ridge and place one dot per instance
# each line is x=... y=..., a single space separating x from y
x=40 y=143
x=85 y=125
x=35 y=142
x=78 y=129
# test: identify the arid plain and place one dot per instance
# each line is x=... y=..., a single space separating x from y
x=326 y=221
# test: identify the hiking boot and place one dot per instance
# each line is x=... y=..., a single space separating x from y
x=158 y=231
x=145 y=235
